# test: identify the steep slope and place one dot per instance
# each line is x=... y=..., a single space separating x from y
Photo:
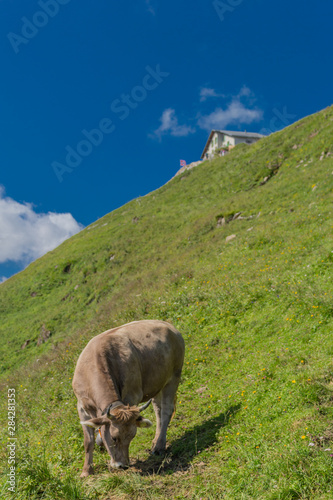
x=256 y=312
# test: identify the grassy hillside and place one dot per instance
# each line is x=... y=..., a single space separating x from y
x=254 y=418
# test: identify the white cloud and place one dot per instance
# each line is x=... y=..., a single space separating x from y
x=244 y=92
x=235 y=113
x=170 y=125
x=239 y=109
x=2 y=279
x=26 y=235
x=207 y=92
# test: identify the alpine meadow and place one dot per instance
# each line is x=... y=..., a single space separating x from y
x=237 y=254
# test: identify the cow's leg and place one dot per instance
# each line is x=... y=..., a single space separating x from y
x=157 y=405
x=89 y=441
x=106 y=437
x=168 y=405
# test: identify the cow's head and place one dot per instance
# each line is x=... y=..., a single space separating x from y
x=121 y=425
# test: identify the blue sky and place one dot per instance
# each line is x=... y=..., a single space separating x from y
x=98 y=103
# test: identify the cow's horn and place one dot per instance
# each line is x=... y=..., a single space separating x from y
x=143 y=407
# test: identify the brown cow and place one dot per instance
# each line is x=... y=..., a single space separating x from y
x=116 y=371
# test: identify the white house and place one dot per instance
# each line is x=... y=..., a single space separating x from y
x=227 y=139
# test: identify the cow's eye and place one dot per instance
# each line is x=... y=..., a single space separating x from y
x=114 y=440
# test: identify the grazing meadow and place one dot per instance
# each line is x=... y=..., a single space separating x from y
x=237 y=253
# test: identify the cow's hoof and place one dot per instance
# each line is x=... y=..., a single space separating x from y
x=157 y=452
x=86 y=473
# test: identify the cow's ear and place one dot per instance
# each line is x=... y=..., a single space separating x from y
x=143 y=422
x=95 y=423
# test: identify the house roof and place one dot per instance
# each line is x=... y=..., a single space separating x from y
x=231 y=133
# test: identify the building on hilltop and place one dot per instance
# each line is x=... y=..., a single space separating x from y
x=223 y=140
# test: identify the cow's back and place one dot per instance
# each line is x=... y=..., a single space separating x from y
x=160 y=351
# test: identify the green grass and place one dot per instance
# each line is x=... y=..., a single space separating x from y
x=255 y=406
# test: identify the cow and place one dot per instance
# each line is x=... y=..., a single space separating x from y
x=135 y=363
